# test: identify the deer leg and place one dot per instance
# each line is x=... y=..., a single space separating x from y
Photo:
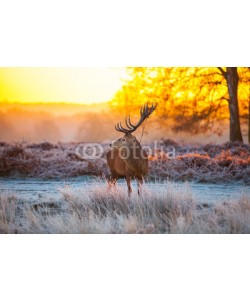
x=129 y=185
x=139 y=182
x=111 y=182
x=128 y=180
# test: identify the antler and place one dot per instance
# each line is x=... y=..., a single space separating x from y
x=145 y=112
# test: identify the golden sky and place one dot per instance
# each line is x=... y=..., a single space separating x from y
x=71 y=85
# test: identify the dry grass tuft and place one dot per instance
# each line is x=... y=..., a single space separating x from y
x=111 y=211
x=7 y=214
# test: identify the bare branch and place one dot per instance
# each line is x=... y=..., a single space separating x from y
x=222 y=72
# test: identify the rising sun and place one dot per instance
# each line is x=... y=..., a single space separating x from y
x=69 y=85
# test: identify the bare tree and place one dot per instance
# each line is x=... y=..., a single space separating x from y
x=232 y=78
x=193 y=100
x=249 y=105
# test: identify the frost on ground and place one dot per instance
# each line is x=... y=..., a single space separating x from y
x=100 y=210
x=200 y=163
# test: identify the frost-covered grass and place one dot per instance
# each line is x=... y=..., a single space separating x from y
x=201 y=163
x=46 y=160
x=100 y=210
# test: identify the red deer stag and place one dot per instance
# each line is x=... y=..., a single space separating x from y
x=127 y=159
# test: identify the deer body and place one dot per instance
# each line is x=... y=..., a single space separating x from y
x=127 y=159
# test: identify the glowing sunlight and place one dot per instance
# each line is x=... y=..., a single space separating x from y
x=70 y=85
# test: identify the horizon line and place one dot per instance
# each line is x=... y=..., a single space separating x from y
x=54 y=102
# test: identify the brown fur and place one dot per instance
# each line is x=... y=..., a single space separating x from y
x=127 y=159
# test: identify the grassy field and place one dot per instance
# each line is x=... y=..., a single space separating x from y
x=111 y=211
x=100 y=210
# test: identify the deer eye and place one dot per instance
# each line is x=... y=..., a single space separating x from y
x=123 y=140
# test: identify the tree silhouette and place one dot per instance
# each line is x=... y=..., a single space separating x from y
x=232 y=78
x=191 y=99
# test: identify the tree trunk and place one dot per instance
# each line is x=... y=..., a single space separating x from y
x=232 y=84
x=249 y=121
